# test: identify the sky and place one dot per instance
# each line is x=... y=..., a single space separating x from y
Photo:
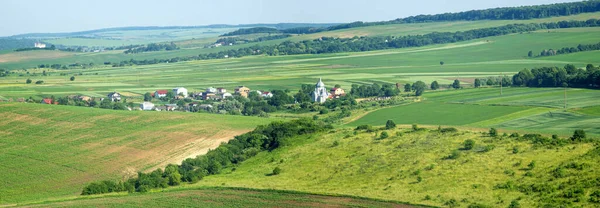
x=43 y=16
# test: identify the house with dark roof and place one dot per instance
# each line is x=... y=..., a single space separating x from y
x=114 y=96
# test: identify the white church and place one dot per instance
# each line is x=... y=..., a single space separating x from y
x=320 y=94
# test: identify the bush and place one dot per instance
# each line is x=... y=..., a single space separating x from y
x=364 y=127
x=449 y=130
x=578 y=135
x=335 y=143
x=72 y=78
x=323 y=111
x=390 y=124
x=515 y=150
x=468 y=144
x=384 y=135
x=28 y=81
x=493 y=132
x=451 y=203
x=39 y=82
x=454 y=155
x=419 y=179
x=514 y=204
x=276 y=171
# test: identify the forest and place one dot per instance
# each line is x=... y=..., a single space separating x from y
x=568 y=76
x=153 y=47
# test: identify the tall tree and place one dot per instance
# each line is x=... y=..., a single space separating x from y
x=530 y=54
x=147 y=97
x=435 y=85
x=477 y=83
x=419 y=88
x=456 y=84
x=407 y=87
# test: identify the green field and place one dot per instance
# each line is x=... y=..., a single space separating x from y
x=54 y=151
x=223 y=197
x=362 y=165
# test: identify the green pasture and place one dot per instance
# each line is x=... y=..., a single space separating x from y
x=54 y=151
x=411 y=166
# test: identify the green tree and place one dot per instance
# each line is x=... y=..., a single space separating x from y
x=390 y=124
x=172 y=174
x=477 y=83
x=276 y=171
x=435 y=85
x=468 y=144
x=147 y=97
x=578 y=135
x=384 y=135
x=419 y=88
x=489 y=82
x=72 y=78
x=530 y=54
x=254 y=96
x=493 y=132
x=170 y=95
x=337 y=86
x=441 y=63
x=407 y=87
x=28 y=81
x=456 y=84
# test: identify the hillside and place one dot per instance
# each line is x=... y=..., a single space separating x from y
x=54 y=151
x=418 y=167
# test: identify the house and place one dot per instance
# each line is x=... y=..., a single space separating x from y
x=209 y=96
x=114 y=96
x=211 y=90
x=320 y=94
x=337 y=92
x=39 y=45
x=197 y=95
x=221 y=90
x=226 y=95
x=147 y=106
x=47 y=101
x=170 y=107
x=160 y=93
x=242 y=91
x=180 y=90
x=266 y=94
x=84 y=98
x=206 y=106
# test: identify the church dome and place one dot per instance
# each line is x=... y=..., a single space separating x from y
x=320 y=83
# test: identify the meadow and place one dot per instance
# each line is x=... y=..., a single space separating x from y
x=415 y=167
x=54 y=151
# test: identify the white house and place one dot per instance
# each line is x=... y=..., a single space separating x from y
x=181 y=90
x=114 y=96
x=160 y=93
x=266 y=94
x=39 y=45
x=226 y=95
x=221 y=90
x=211 y=90
x=147 y=106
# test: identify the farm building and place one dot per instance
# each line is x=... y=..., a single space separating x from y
x=242 y=91
x=39 y=45
x=337 y=92
x=226 y=95
x=114 y=96
x=47 y=101
x=147 y=106
x=266 y=94
x=160 y=93
x=180 y=90
x=211 y=90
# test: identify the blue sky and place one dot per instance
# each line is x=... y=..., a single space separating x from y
x=27 y=16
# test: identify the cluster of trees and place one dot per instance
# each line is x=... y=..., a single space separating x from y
x=254 y=30
x=14 y=43
x=569 y=75
x=567 y=50
x=374 y=90
x=51 y=48
x=153 y=47
x=237 y=40
x=241 y=148
x=509 y=13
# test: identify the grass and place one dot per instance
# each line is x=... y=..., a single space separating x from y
x=53 y=151
x=224 y=197
x=362 y=165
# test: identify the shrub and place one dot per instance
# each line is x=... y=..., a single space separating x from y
x=515 y=150
x=39 y=82
x=364 y=127
x=415 y=127
x=72 y=78
x=487 y=148
x=384 y=135
x=449 y=130
x=493 y=132
x=468 y=144
x=335 y=144
x=578 y=135
x=514 y=204
x=595 y=197
x=276 y=171
x=454 y=155
x=323 y=111
x=390 y=124
x=28 y=81
x=451 y=203
x=531 y=165
x=419 y=179
x=475 y=205
x=515 y=135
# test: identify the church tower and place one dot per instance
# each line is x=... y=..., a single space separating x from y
x=320 y=94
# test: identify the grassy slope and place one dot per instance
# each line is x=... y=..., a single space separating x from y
x=389 y=168
x=224 y=198
x=53 y=151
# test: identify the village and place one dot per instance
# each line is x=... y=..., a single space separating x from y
x=215 y=100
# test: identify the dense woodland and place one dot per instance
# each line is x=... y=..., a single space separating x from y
x=237 y=40
x=254 y=30
x=568 y=76
x=567 y=50
x=13 y=43
x=241 y=148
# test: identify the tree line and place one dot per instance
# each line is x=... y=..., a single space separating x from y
x=254 y=30
x=567 y=50
x=568 y=75
x=242 y=147
x=236 y=40
x=153 y=47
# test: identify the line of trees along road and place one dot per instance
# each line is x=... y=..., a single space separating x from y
x=559 y=77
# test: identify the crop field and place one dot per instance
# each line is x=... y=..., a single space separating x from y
x=412 y=167
x=216 y=197
x=54 y=151
x=531 y=109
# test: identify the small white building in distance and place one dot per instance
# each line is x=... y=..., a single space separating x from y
x=320 y=94
x=147 y=106
x=39 y=45
x=180 y=90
